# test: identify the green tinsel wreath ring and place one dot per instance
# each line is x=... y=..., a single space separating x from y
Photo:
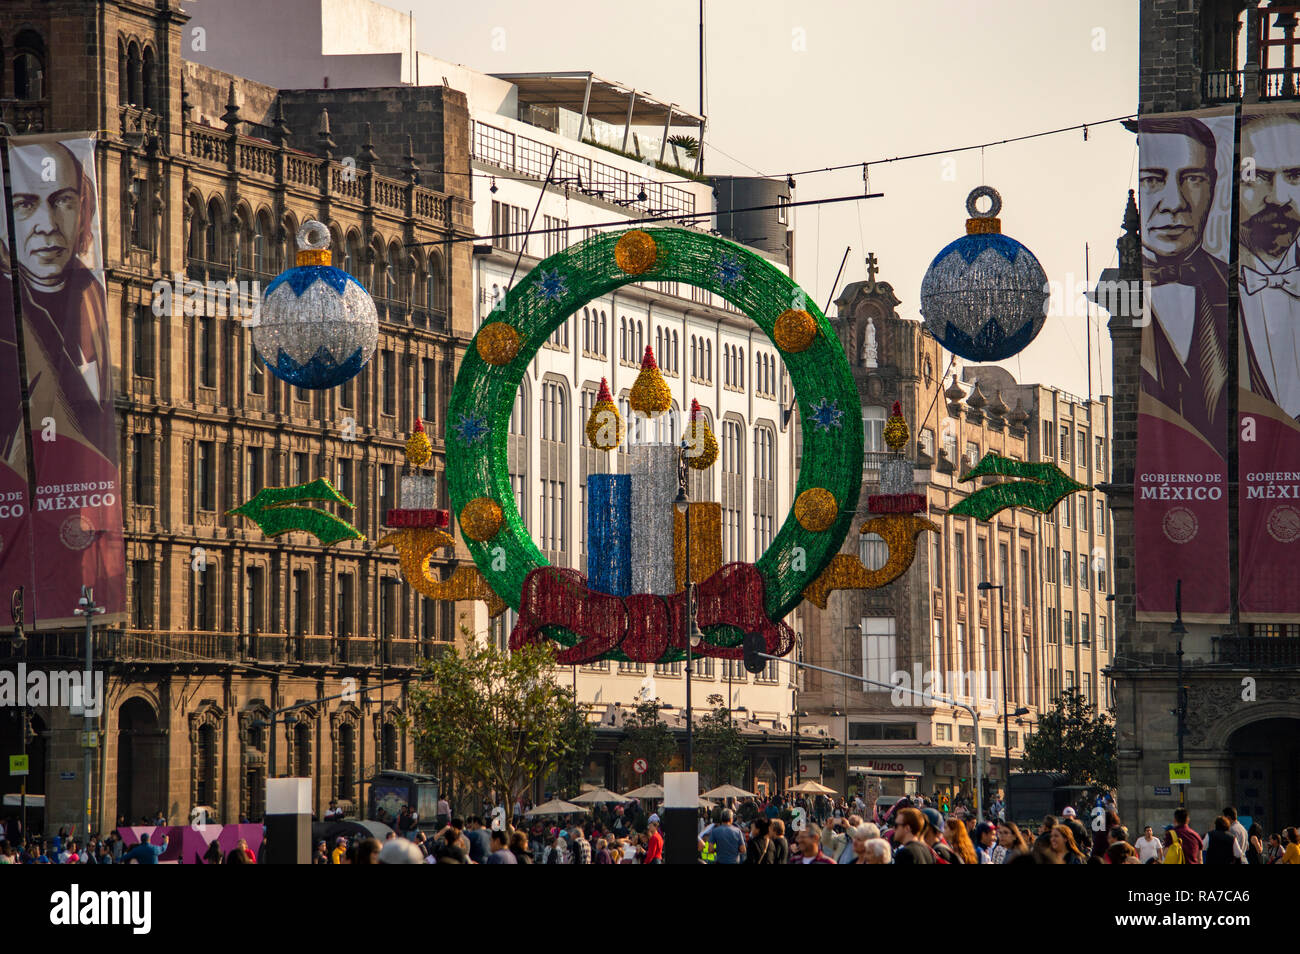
x=484 y=394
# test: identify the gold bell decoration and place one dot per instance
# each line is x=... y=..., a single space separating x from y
x=701 y=445
x=896 y=432
x=604 y=423
x=650 y=396
x=418 y=449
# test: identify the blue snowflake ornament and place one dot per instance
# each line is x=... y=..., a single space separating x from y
x=826 y=415
x=471 y=428
x=729 y=270
x=552 y=286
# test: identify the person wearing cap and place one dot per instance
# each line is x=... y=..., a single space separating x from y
x=932 y=835
x=1070 y=819
x=910 y=849
x=986 y=846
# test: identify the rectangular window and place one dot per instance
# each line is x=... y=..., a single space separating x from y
x=1083 y=514
x=256 y=377
x=1101 y=518
x=253 y=577
x=936 y=578
x=1101 y=578
x=1064 y=508
x=942 y=732
x=1087 y=686
x=428 y=374
x=927 y=441
x=1083 y=450
x=879 y=658
x=389 y=371
x=782 y=208
x=981 y=561
x=881 y=731
x=959 y=561
x=1067 y=567
x=207 y=352
x=1085 y=629
x=959 y=662
x=343 y=621
x=345 y=478
x=1052 y=636
x=1049 y=565
x=972 y=453
x=300 y=468
x=1004 y=569
x=206 y=473
x=141 y=595
x=1067 y=624
x=1099 y=455
x=346 y=393
x=1083 y=571
x=988 y=737
x=143 y=335
x=142 y=468
x=1047 y=439
x=386 y=489
x=1069 y=679
x=965 y=733
x=1026 y=583
x=253 y=471
x=1101 y=634
x=1065 y=443
x=1053 y=683
x=203 y=597
x=301 y=602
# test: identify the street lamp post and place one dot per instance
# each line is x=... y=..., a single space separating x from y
x=692 y=629
x=86 y=607
x=1179 y=631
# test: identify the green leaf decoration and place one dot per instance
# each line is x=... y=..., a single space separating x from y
x=270 y=510
x=1041 y=487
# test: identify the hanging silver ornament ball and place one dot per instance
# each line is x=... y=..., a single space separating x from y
x=984 y=296
x=317 y=326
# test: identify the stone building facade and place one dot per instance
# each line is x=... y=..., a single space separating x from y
x=1053 y=570
x=205 y=176
x=1242 y=705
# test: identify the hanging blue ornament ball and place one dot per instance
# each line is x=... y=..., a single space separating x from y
x=317 y=326
x=984 y=297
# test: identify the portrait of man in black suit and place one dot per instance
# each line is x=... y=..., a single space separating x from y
x=1184 y=352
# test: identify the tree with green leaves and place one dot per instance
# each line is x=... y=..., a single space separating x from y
x=580 y=735
x=646 y=736
x=719 y=747
x=494 y=717
x=687 y=144
x=1074 y=739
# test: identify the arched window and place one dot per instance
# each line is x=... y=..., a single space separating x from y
x=604 y=340
x=205 y=788
x=695 y=365
x=302 y=750
x=347 y=757
x=134 y=73
x=673 y=352
x=622 y=339
x=258 y=248
x=434 y=284
x=708 y=360
x=149 y=80
x=659 y=348
x=213 y=245
x=740 y=368
x=123 y=87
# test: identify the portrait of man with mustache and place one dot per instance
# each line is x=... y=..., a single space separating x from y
x=1185 y=355
x=1269 y=222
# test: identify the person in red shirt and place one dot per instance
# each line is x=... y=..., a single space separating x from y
x=1191 y=840
x=654 y=852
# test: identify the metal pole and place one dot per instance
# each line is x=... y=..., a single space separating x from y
x=1006 y=717
x=1180 y=630
x=87 y=608
x=690 y=631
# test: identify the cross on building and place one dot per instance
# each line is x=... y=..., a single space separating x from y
x=871 y=271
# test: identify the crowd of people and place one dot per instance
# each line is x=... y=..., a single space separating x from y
x=780 y=829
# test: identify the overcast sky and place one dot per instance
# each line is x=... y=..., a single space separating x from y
x=794 y=86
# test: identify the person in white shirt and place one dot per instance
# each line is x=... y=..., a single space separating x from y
x=1149 y=847
x=1238 y=830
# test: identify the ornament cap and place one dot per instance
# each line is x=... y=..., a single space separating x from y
x=604 y=394
x=648 y=359
x=313 y=240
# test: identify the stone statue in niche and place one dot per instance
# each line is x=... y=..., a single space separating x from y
x=870 y=352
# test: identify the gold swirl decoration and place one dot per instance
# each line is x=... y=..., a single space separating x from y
x=847 y=572
x=415 y=547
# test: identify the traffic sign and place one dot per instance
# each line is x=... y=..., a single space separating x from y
x=1180 y=773
x=18 y=764
x=639 y=766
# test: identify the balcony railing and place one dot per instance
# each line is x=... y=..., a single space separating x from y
x=149 y=646
x=25 y=115
x=1228 y=86
x=1258 y=650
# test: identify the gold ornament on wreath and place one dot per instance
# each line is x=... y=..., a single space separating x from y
x=816 y=509
x=636 y=252
x=795 y=330
x=481 y=518
x=497 y=343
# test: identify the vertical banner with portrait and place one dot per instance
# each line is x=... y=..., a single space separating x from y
x=15 y=497
x=76 y=508
x=1268 y=366
x=1180 y=507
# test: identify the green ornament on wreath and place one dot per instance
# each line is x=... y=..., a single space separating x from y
x=485 y=390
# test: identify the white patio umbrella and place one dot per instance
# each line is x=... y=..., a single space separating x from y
x=557 y=807
x=811 y=788
x=600 y=796
x=729 y=791
x=651 y=791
